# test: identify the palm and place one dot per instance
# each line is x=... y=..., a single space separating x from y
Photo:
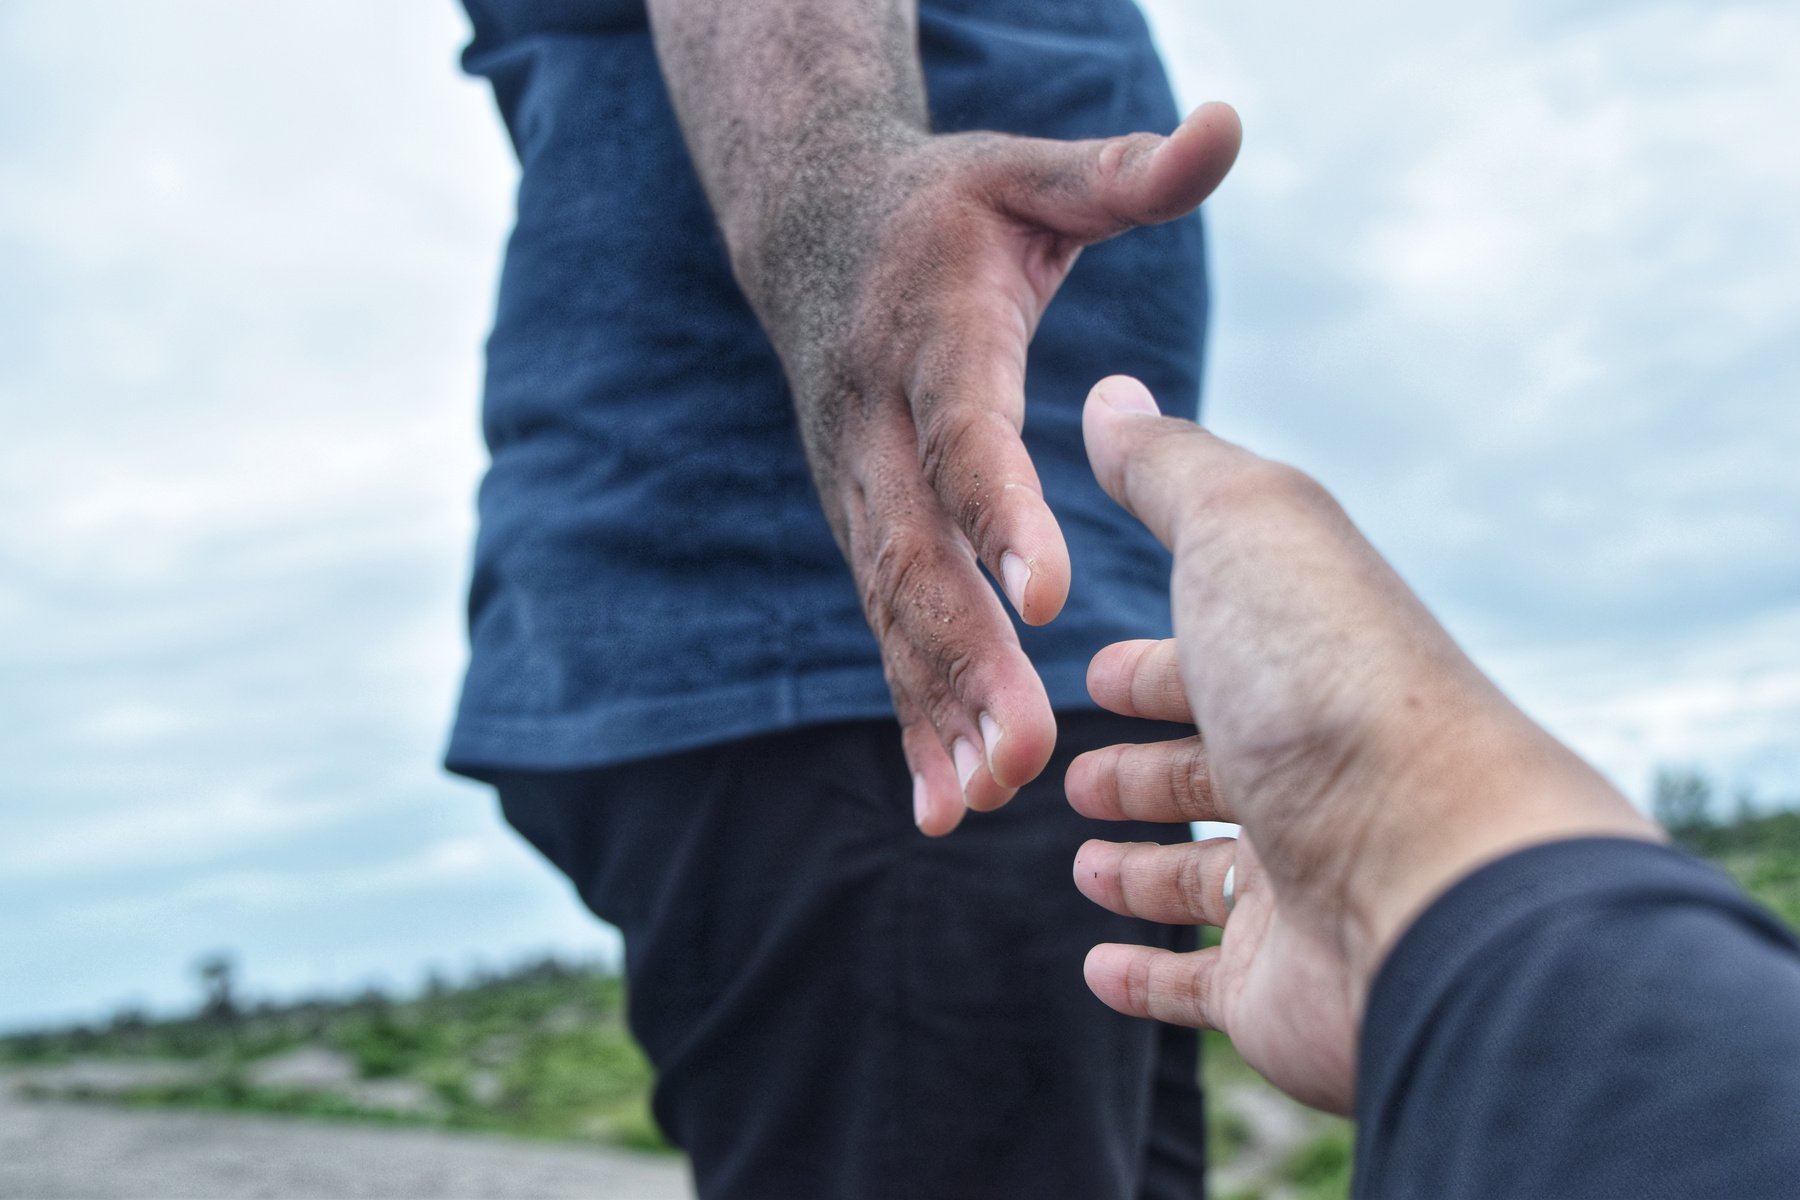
x=1283 y=996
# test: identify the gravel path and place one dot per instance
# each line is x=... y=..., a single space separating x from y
x=55 y=1151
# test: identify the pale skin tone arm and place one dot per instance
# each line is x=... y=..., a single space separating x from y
x=900 y=275
x=1371 y=764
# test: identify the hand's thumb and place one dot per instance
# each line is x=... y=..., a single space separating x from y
x=1160 y=468
x=1094 y=189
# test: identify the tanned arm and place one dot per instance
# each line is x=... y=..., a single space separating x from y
x=900 y=276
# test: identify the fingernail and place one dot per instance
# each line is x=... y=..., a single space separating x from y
x=990 y=733
x=1126 y=395
x=919 y=800
x=967 y=759
x=1015 y=574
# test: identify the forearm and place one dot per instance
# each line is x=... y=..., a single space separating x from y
x=1480 y=782
x=786 y=105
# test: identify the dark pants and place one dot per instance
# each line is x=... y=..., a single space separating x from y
x=839 y=1008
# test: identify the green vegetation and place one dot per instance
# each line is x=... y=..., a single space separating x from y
x=1773 y=878
x=1320 y=1168
x=1761 y=849
x=1228 y=1133
x=542 y=1051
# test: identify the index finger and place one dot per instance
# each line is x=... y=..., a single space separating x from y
x=951 y=657
x=1160 y=468
x=968 y=403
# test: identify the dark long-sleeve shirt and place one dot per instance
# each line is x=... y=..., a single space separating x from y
x=1592 y=1018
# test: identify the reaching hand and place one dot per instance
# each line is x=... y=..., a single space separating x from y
x=902 y=296
x=1281 y=988
x=1368 y=760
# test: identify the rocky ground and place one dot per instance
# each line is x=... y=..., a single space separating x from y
x=62 y=1137
x=51 y=1150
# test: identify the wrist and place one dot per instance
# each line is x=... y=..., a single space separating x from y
x=802 y=232
x=806 y=249
x=1505 y=785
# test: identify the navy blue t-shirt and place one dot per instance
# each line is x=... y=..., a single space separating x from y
x=653 y=570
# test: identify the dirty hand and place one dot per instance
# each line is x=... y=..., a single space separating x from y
x=902 y=293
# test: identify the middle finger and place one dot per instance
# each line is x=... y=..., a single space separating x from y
x=1156 y=781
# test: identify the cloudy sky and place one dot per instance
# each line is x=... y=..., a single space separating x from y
x=1524 y=288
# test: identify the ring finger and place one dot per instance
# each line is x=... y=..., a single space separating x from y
x=1183 y=884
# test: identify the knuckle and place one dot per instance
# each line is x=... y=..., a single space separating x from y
x=1190 y=781
x=1142 y=687
x=1133 y=773
x=912 y=613
x=958 y=664
x=1188 y=883
x=978 y=515
x=896 y=581
x=1296 y=488
x=1277 y=484
x=1193 y=995
x=940 y=696
x=944 y=434
x=1171 y=990
x=1137 y=986
x=965 y=481
x=1106 y=782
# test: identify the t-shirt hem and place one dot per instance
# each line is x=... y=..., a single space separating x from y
x=647 y=727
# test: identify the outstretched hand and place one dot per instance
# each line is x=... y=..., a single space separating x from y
x=1280 y=987
x=902 y=298
x=1369 y=762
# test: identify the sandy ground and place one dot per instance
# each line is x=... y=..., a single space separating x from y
x=54 y=1151
x=60 y=1151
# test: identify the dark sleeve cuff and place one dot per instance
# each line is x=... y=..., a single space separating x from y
x=1500 y=952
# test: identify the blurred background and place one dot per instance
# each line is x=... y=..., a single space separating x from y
x=1519 y=281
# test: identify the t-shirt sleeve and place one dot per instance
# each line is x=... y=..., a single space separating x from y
x=1588 y=1018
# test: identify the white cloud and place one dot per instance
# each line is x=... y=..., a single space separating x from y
x=445 y=865
x=1524 y=288
x=246 y=262
x=134 y=724
x=1729 y=703
x=153 y=831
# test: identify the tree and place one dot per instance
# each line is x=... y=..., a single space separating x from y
x=218 y=972
x=1748 y=808
x=1681 y=800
